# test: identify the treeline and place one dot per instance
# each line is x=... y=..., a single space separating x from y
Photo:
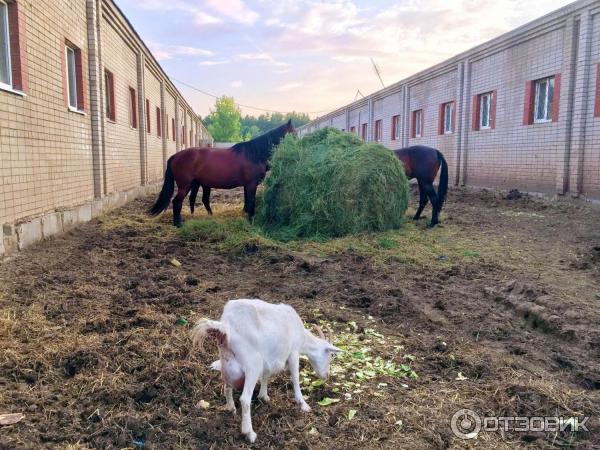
x=226 y=124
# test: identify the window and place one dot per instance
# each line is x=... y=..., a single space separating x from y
x=133 y=123
x=364 y=130
x=71 y=78
x=148 y=121
x=544 y=93
x=597 y=105
x=485 y=110
x=353 y=130
x=109 y=94
x=173 y=129
x=5 y=63
x=158 y=122
x=446 y=119
x=167 y=126
x=417 y=124
x=378 y=133
x=542 y=100
x=395 y=128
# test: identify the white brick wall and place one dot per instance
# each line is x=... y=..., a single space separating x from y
x=546 y=157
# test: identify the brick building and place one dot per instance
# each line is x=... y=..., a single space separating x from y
x=521 y=111
x=87 y=116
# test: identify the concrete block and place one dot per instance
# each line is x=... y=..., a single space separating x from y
x=51 y=225
x=10 y=241
x=97 y=208
x=29 y=233
x=84 y=213
x=69 y=219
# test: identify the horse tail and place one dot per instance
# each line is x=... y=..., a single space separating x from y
x=443 y=186
x=164 y=198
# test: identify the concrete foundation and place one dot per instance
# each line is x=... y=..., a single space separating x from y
x=15 y=237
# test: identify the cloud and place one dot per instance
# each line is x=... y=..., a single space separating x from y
x=235 y=10
x=214 y=62
x=165 y=52
x=288 y=86
x=263 y=56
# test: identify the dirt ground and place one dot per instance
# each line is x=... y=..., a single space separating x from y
x=497 y=311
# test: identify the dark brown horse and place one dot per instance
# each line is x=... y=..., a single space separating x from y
x=244 y=164
x=423 y=163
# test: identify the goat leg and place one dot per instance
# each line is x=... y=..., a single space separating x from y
x=294 y=367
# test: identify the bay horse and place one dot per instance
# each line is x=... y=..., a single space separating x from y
x=244 y=164
x=423 y=163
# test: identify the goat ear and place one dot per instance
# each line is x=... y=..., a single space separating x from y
x=333 y=349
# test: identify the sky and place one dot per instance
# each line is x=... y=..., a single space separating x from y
x=312 y=56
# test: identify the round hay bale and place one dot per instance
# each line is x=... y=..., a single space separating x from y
x=330 y=184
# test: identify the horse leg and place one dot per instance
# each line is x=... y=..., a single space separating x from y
x=206 y=199
x=193 y=194
x=182 y=191
x=251 y=200
x=422 y=201
x=430 y=191
x=245 y=199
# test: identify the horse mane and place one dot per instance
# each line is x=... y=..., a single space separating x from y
x=258 y=150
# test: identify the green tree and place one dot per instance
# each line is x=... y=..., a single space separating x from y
x=224 y=122
x=254 y=126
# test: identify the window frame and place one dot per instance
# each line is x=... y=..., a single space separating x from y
x=487 y=95
x=550 y=84
x=364 y=131
x=158 y=121
x=417 y=132
x=8 y=49
x=109 y=95
x=378 y=131
x=148 y=118
x=173 y=129
x=396 y=130
x=133 y=118
x=448 y=120
x=72 y=107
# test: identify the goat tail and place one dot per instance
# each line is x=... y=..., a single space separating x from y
x=166 y=193
x=443 y=186
x=210 y=328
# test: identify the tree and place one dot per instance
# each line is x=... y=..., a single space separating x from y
x=224 y=122
x=254 y=126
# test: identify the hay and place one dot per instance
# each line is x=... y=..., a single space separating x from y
x=330 y=184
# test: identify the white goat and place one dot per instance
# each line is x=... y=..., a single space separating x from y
x=256 y=340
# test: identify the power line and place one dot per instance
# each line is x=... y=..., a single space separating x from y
x=241 y=104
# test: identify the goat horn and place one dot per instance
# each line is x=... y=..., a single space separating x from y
x=320 y=332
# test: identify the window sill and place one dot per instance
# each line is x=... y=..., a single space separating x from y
x=77 y=111
x=8 y=88
x=448 y=133
x=539 y=121
x=484 y=128
x=111 y=121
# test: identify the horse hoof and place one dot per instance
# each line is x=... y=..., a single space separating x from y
x=432 y=225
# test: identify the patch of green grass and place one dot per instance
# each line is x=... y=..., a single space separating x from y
x=233 y=235
x=412 y=244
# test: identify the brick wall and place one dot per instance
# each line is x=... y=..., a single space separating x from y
x=45 y=150
x=153 y=140
x=555 y=157
x=54 y=158
x=122 y=141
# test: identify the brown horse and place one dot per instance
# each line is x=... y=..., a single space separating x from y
x=423 y=163
x=244 y=164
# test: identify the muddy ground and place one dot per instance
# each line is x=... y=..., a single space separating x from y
x=497 y=310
